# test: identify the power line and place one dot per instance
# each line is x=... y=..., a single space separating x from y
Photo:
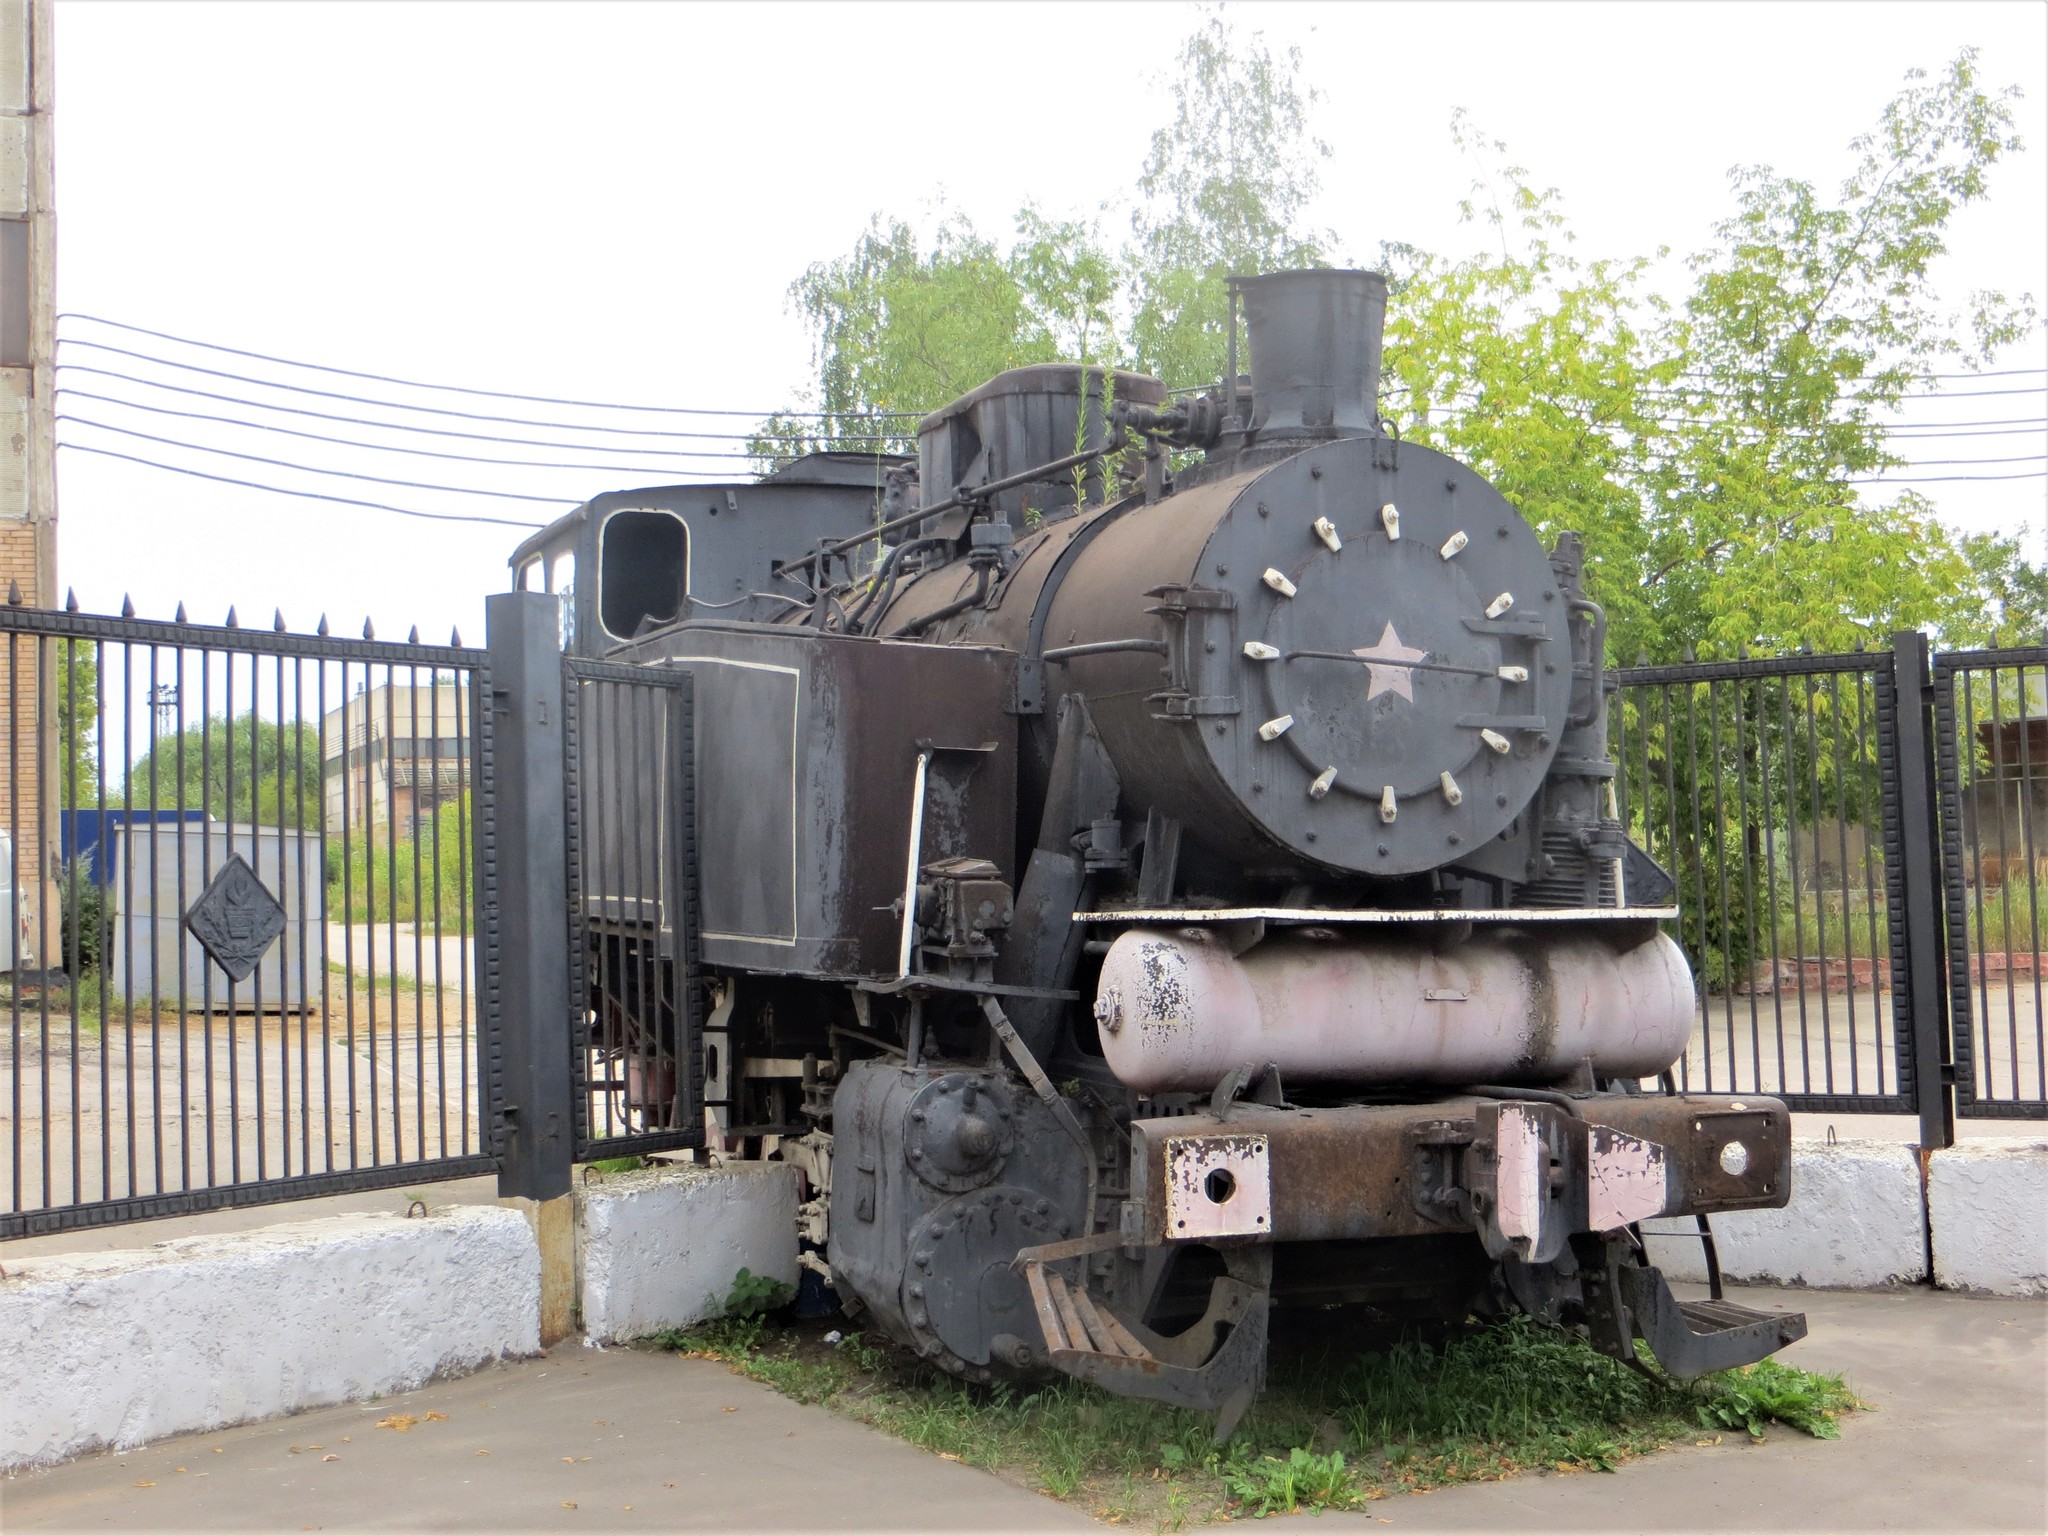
x=403 y=426
x=462 y=389
x=278 y=490
x=470 y=458
x=2032 y=474
x=342 y=474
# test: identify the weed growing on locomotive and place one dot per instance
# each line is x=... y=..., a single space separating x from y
x=1149 y=882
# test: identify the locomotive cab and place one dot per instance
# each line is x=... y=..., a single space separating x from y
x=629 y=563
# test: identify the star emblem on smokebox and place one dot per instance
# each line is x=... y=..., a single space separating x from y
x=1388 y=674
x=235 y=918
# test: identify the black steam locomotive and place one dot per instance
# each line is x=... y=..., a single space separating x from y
x=1157 y=862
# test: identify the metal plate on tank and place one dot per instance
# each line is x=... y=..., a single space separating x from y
x=1218 y=1186
x=1405 y=674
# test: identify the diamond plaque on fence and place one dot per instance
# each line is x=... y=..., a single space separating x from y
x=236 y=918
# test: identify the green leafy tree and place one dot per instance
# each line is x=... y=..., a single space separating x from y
x=76 y=681
x=1716 y=447
x=250 y=771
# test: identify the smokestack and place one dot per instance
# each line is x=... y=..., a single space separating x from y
x=1315 y=344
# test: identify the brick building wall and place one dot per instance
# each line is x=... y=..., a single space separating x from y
x=28 y=487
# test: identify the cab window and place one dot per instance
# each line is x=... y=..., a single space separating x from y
x=643 y=571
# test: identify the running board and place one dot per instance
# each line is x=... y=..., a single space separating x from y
x=1693 y=1338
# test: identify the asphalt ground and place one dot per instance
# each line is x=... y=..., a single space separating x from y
x=620 y=1440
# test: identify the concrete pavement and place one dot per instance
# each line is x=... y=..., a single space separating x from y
x=1956 y=1444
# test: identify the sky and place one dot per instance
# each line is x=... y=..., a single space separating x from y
x=608 y=203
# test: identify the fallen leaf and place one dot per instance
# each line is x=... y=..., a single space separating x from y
x=181 y=1469
x=627 y=1507
x=483 y=1453
x=947 y=1456
x=144 y=1482
x=730 y=1408
x=568 y=1503
x=433 y=1418
x=570 y=1459
x=583 y=1458
x=344 y=1439
x=330 y=1456
x=398 y=1421
x=216 y=1450
x=316 y=1447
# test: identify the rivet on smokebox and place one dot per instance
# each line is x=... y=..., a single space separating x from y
x=1278 y=581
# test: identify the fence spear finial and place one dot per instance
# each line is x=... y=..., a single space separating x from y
x=13 y=593
x=278 y=622
x=71 y=599
x=127 y=606
x=1742 y=650
x=369 y=629
x=322 y=630
x=1689 y=656
x=181 y=613
x=455 y=636
x=233 y=622
x=414 y=637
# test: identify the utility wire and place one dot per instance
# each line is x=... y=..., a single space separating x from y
x=2032 y=474
x=471 y=458
x=342 y=474
x=403 y=426
x=462 y=389
x=278 y=490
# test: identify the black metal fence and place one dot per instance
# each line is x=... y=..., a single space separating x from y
x=1991 y=712
x=1851 y=945
x=636 y=1002
x=243 y=960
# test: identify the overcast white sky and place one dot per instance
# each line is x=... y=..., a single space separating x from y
x=608 y=202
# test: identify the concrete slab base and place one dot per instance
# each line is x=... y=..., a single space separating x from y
x=118 y=1349
x=1854 y=1221
x=1987 y=1210
x=659 y=1248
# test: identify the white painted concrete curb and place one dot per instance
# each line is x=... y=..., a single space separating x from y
x=1854 y=1223
x=1987 y=1207
x=659 y=1248
x=118 y=1349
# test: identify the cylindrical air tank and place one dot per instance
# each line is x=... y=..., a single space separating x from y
x=1176 y=1009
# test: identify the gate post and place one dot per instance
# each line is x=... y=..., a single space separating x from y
x=1921 y=905
x=522 y=635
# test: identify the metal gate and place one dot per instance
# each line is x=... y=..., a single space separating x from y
x=636 y=998
x=1991 y=724
x=247 y=886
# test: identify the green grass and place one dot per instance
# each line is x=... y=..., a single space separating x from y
x=1335 y=1428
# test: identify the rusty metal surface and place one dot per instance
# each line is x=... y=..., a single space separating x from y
x=1353 y=1172
x=1218 y=1186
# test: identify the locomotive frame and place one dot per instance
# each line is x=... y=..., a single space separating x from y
x=1115 y=962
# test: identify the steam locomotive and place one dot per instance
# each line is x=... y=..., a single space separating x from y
x=1156 y=863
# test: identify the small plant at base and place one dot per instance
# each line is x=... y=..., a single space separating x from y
x=1750 y=1398
x=752 y=1295
x=1304 y=1480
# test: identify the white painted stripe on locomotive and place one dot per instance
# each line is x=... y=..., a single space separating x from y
x=1373 y=915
